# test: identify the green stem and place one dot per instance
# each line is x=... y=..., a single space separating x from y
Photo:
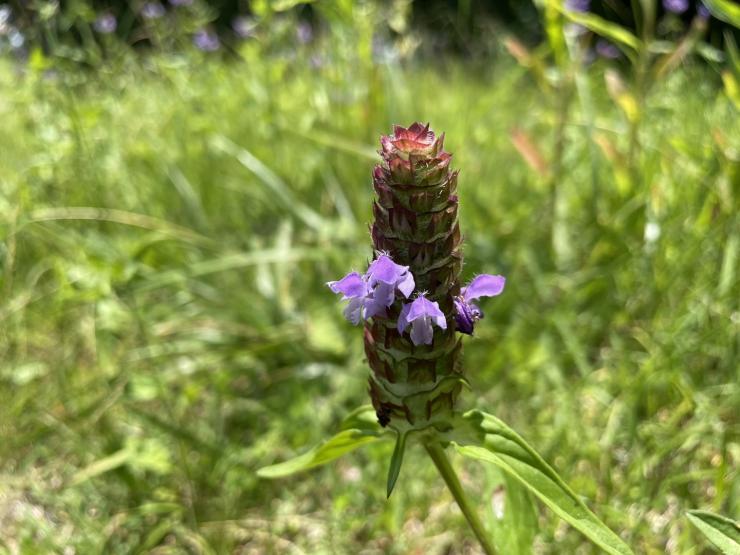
x=437 y=452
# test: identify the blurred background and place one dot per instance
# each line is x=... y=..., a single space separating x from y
x=179 y=180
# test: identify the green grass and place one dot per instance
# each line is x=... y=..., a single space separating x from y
x=167 y=227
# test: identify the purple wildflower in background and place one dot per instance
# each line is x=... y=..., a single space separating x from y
x=16 y=39
x=244 y=26
x=702 y=11
x=152 y=10
x=466 y=312
x=606 y=49
x=578 y=5
x=676 y=6
x=106 y=24
x=304 y=32
x=317 y=61
x=206 y=40
x=5 y=13
x=420 y=315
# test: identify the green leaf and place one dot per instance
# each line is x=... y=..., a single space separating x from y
x=600 y=26
x=482 y=436
x=513 y=516
x=362 y=418
x=721 y=531
x=101 y=466
x=396 y=460
x=727 y=11
x=357 y=430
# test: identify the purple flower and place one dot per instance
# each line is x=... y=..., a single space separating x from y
x=577 y=5
x=676 y=6
x=467 y=313
x=106 y=24
x=606 y=49
x=421 y=314
x=370 y=294
x=206 y=40
x=354 y=289
x=16 y=38
x=152 y=10
x=304 y=32
x=5 y=13
x=702 y=11
x=385 y=276
x=243 y=26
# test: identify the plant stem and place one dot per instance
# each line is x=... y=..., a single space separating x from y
x=437 y=452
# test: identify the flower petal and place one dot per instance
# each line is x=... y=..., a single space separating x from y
x=424 y=307
x=421 y=331
x=464 y=319
x=374 y=308
x=350 y=286
x=353 y=311
x=382 y=269
x=402 y=318
x=484 y=285
x=441 y=322
x=407 y=284
x=384 y=293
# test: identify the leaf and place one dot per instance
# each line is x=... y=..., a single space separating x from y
x=489 y=439
x=281 y=190
x=285 y=5
x=396 y=460
x=600 y=26
x=512 y=516
x=357 y=430
x=721 y=531
x=101 y=466
x=727 y=11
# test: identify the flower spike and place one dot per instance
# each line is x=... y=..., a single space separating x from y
x=415 y=356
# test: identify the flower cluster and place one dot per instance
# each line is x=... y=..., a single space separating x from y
x=410 y=301
x=372 y=294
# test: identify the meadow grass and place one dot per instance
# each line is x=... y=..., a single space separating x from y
x=167 y=228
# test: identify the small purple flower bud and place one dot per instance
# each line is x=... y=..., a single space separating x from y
x=106 y=24
x=180 y=3
x=152 y=10
x=206 y=40
x=421 y=314
x=578 y=5
x=676 y=6
x=466 y=312
x=607 y=50
x=243 y=26
x=304 y=32
x=702 y=11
